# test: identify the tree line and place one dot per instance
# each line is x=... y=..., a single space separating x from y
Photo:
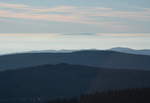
x=117 y=96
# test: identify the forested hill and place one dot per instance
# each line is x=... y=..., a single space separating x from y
x=65 y=80
x=120 y=96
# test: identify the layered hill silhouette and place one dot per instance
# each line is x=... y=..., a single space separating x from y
x=65 y=80
x=106 y=59
x=131 y=51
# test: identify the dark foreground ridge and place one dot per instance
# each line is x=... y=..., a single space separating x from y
x=66 y=81
x=122 y=96
x=135 y=95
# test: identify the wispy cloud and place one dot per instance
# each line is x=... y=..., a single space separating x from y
x=124 y=34
x=65 y=9
x=63 y=14
x=49 y=17
x=15 y=6
x=138 y=15
x=74 y=14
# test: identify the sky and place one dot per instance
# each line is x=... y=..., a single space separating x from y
x=67 y=23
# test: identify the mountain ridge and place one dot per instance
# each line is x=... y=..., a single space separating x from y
x=94 y=58
x=131 y=51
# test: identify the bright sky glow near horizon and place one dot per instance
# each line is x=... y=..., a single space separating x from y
x=12 y=43
x=27 y=25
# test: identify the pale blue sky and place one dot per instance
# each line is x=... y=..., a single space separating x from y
x=74 y=16
x=12 y=43
x=81 y=24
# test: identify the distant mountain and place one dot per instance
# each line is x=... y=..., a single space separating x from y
x=132 y=51
x=106 y=59
x=64 y=80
